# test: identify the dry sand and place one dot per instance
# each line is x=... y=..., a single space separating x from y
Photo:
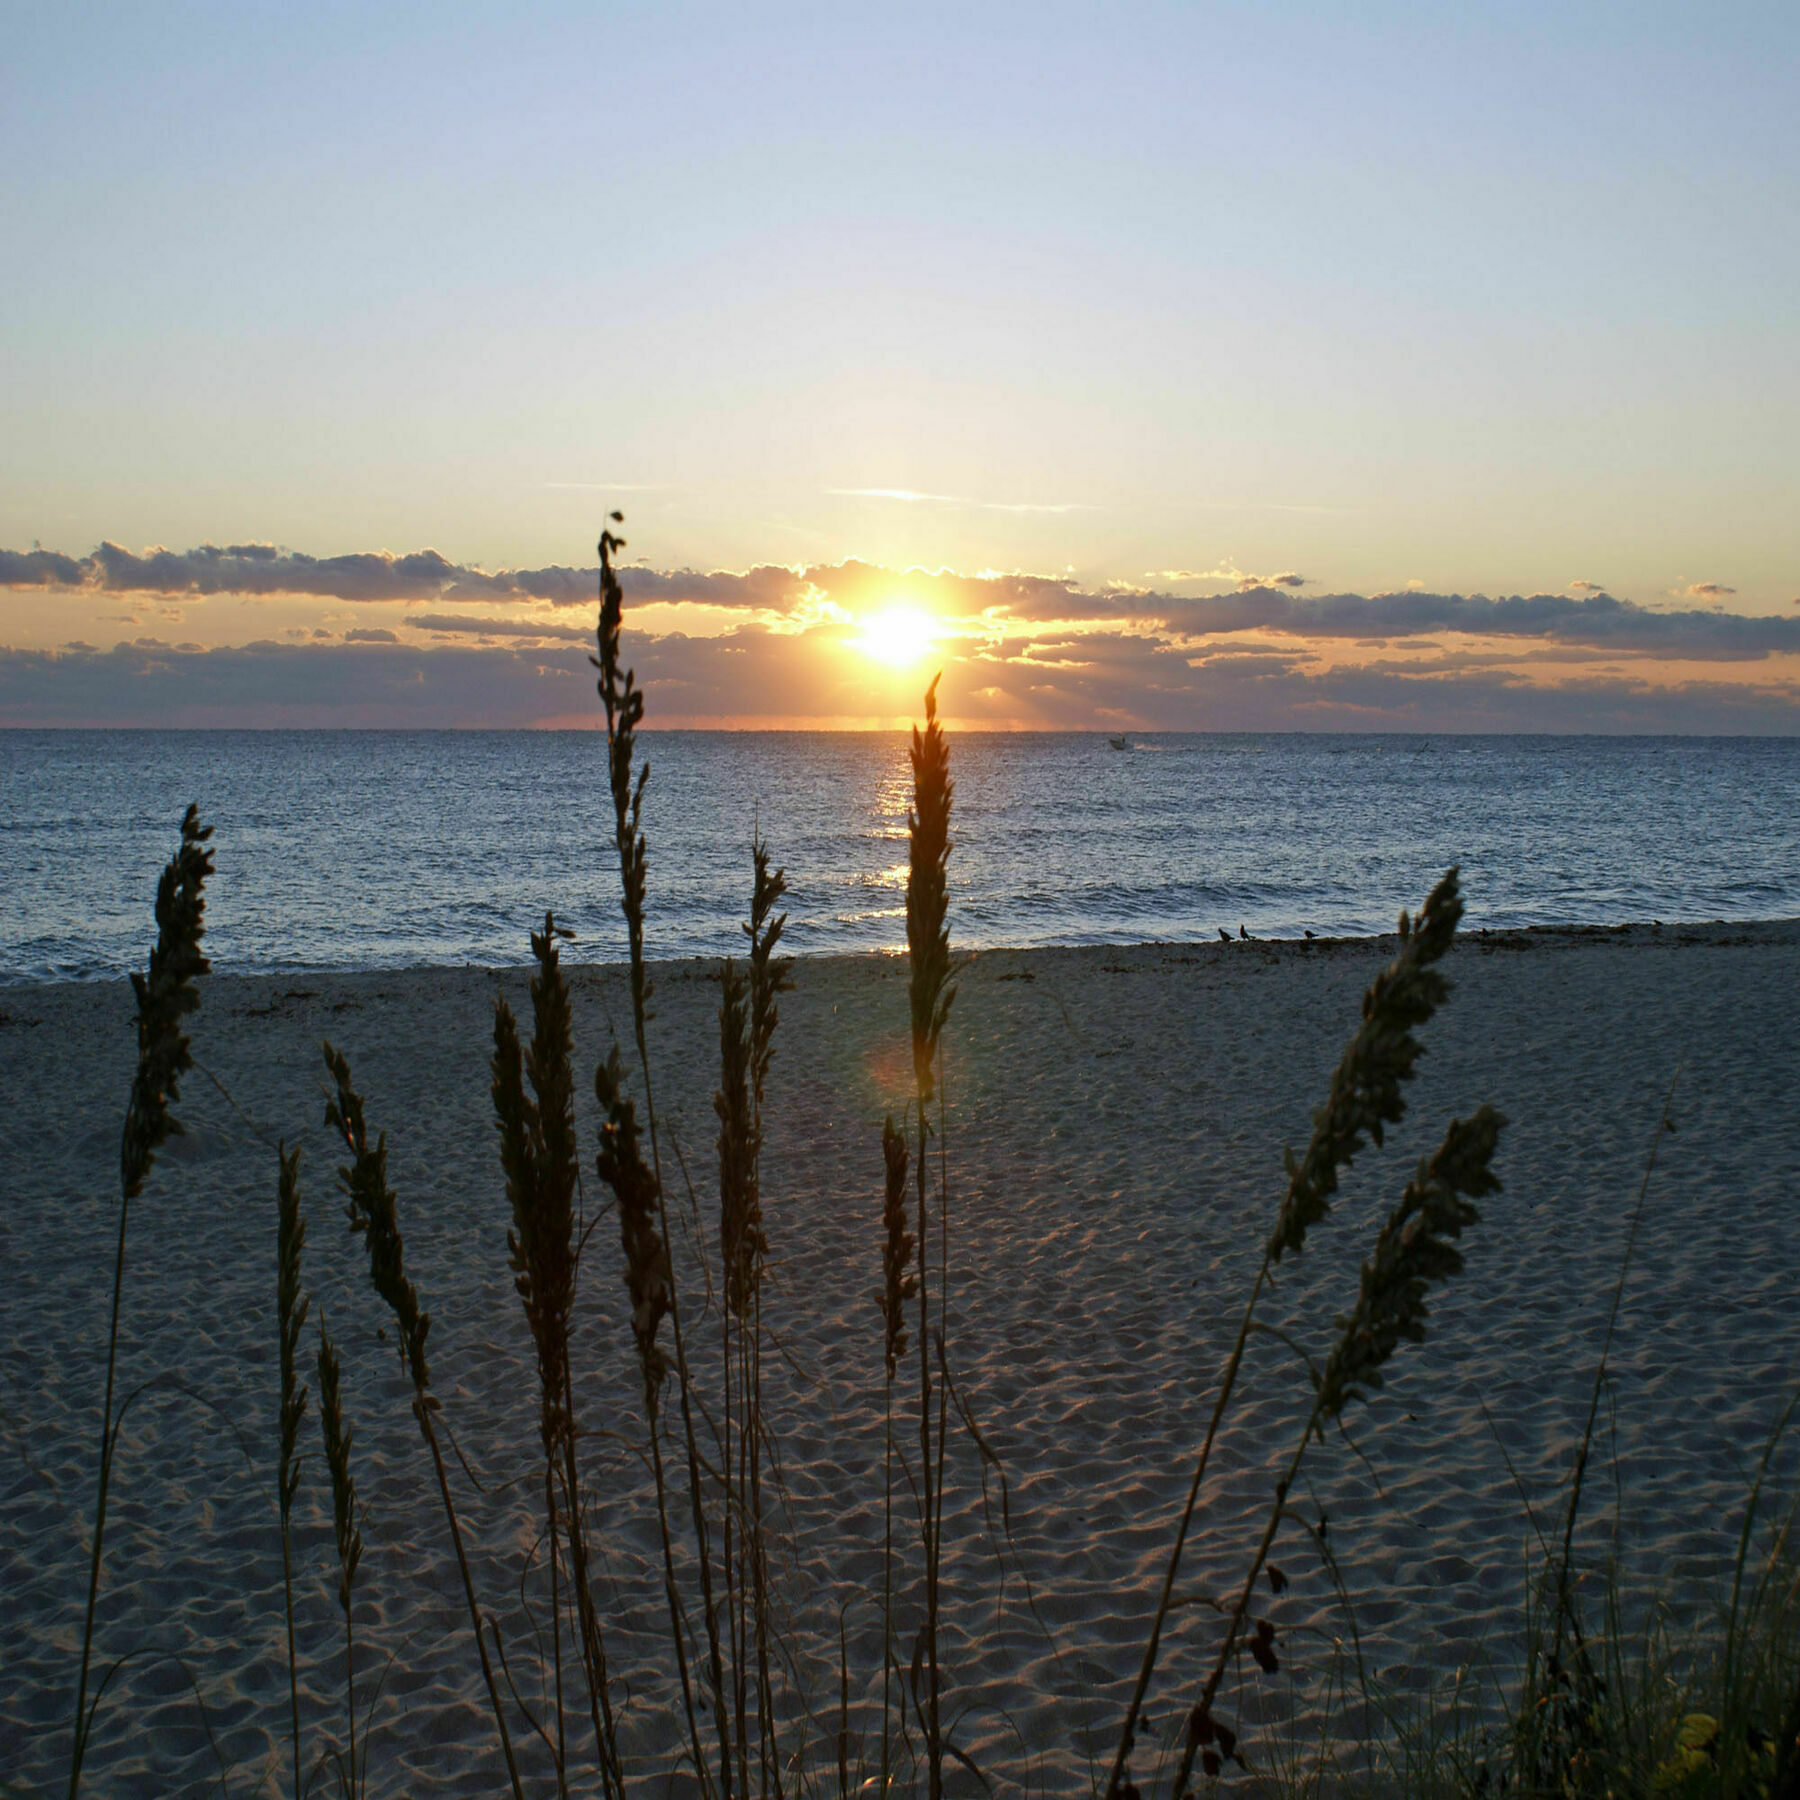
x=1116 y=1131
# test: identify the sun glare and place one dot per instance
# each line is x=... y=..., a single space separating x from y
x=898 y=636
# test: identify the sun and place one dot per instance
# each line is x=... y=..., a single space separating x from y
x=899 y=636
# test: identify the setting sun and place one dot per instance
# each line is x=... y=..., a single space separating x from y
x=898 y=636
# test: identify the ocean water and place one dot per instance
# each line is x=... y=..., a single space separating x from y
x=393 y=849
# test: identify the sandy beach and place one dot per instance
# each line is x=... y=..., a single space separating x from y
x=1117 y=1118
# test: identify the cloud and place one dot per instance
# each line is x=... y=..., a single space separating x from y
x=366 y=575
x=1586 y=587
x=39 y=568
x=795 y=597
x=1596 y=620
x=1709 y=590
x=1229 y=571
x=370 y=634
x=473 y=625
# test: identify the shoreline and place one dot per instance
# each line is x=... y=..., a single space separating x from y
x=1117 y=1118
x=1664 y=932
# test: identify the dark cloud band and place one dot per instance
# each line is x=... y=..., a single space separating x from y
x=1592 y=618
x=1107 y=679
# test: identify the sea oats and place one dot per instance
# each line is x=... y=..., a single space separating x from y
x=1366 y=1085
x=740 y=1234
x=373 y=1213
x=929 y=997
x=539 y=1158
x=165 y=996
x=1414 y=1248
x=900 y=1281
x=1366 y=1096
x=927 y=893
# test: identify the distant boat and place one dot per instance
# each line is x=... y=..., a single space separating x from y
x=1120 y=743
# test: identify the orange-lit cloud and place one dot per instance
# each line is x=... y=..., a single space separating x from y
x=426 y=640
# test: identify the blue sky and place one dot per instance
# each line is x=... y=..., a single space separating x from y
x=1490 y=299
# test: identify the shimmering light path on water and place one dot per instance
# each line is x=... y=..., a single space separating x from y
x=388 y=849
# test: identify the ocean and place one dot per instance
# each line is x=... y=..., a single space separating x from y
x=396 y=849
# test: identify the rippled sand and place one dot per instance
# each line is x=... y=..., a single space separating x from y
x=1116 y=1129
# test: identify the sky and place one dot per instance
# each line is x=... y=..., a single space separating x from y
x=1281 y=366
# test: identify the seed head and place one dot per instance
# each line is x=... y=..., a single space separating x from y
x=621 y=1166
x=165 y=996
x=1415 y=1248
x=927 y=892
x=1366 y=1086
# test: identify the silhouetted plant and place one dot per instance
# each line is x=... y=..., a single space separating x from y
x=1366 y=1096
x=748 y=1015
x=623 y=701
x=291 y=1309
x=539 y=1156
x=899 y=1283
x=373 y=1215
x=347 y=1534
x=929 y=996
x=771 y=975
x=165 y=996
x=1416 y=1247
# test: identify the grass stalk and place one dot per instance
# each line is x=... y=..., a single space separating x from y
x=620 y=1164
x=1415 y=1247
x=738 y=1230
x=1564 y=1596
x=929 y=996
x=771 y=975
x=593 y=1648
x=291 y=1309
x=373 y=1217
x=165 y=996
x=748 y=1015
x=1366 y=1097
x=337 y=1437
x=731 y=1101
x=624 y=704
x=899 y=1285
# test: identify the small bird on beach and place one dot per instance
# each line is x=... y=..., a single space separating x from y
x=1225 y=936
x=1309 y=934
x=1243 y=934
